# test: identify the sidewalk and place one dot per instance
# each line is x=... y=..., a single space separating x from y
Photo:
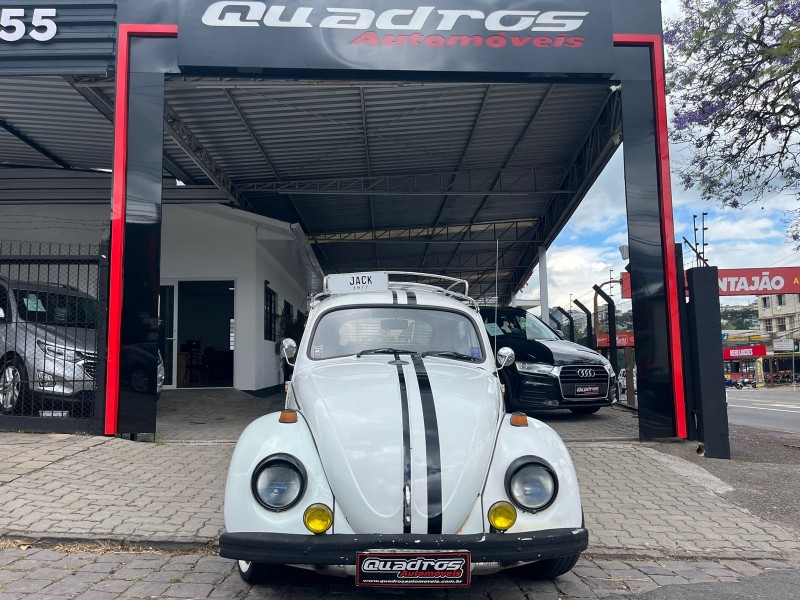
x=636 y=499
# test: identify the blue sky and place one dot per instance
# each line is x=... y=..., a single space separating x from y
x=587 y=248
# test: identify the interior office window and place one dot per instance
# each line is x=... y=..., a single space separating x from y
x=232 y=334
x=781 y=323
x=768 y=325
x=765 y=302
x=270 y=314
x=781 y=300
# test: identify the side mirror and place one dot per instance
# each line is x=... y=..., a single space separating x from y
x=560 y=334
x=2 y=314
x=505 y=357
x=288 y=349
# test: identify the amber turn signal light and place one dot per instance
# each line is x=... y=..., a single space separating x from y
x=502 y=515
x=519 y=419
x=288 y=416
x=318 y=518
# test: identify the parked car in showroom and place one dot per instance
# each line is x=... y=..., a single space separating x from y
x=48 y=361
x=394 y=460
x=549 y=372
x=47 y=344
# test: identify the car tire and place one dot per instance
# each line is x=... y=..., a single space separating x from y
x=548 y=569
x=253 y=572
x=13 y=374
x=585 y=410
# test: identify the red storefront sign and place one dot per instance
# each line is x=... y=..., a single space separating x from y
x=744 y=352
x=624 y=340
x=747 y=282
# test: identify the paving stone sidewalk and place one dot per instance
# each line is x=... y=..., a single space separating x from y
x=61 y=575
x=635 y=498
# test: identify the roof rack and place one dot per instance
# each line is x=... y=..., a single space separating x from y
x=428 y=287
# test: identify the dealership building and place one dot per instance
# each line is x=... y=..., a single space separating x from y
x=197 y=166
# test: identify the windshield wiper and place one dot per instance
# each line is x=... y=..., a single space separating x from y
x=450 y=354
x=384 y=351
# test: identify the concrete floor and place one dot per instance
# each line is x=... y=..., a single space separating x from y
x=220 y=415
x=210 y=415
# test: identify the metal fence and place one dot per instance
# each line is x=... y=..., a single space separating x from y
x=53 y=309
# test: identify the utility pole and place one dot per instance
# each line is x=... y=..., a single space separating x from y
x=703 y=230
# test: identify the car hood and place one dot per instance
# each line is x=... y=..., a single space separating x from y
x=551 y=352
x=78 y=338
x=354 y=408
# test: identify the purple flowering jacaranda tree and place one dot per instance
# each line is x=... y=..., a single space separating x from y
x=734 y=85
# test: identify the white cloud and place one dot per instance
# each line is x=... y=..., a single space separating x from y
x=670 y=8
x=618 y=239
x=573 y=270
x=603 y=209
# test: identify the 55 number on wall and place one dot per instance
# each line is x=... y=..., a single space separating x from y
x=14 y=27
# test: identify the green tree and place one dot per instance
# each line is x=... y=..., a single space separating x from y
x=734 y=84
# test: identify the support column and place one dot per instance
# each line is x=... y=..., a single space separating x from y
x=133 y=328
x=544 y=297
x=651 y=239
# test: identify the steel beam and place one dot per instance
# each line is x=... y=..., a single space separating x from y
x=105 y=107
x=200 y=156
x=599 y=146
x=503 y=230
x=251 y=132
x=513 y=152
x=34 y=145
x=369 y=168
x=454 y=183
x=464 y=153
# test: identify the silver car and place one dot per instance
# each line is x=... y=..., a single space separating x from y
x=47 y=343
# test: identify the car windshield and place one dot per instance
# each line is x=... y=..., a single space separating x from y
x=56 y=308
x=517 y=324
x=370 y=330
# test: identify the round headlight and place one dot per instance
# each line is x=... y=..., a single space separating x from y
x=279 y=482
x=531 y=483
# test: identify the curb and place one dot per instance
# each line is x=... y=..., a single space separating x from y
x=121 y=542
x=191 y=545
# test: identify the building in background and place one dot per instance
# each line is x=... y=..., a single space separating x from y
x=779 y=315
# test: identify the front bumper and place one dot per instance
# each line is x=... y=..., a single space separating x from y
x=544 y=392
x=341 y=549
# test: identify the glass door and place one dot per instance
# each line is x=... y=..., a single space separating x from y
x=167 y=311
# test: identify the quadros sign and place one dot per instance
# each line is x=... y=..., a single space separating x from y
x=548 y=36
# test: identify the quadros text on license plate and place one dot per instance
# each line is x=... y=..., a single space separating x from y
x=399 y=569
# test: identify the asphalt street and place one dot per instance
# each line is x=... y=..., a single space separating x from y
x=771 y=585
x=776 y=409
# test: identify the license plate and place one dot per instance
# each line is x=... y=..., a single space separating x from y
x=413 y=569
x=587 y=390
x=58 y=414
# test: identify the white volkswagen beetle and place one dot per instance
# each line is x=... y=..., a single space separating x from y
x=394 y=460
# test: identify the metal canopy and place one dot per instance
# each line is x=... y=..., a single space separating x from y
x=458 y=179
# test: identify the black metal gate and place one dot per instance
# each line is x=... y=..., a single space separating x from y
x=53 y=320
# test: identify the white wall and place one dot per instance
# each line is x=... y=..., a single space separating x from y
x=196 y=245
x=268 y=269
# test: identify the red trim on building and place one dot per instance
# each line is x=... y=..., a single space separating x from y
x=118 y=209
x=654 y=42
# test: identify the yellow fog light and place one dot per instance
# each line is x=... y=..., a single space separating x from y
x=502 y=515
x=318 y=518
